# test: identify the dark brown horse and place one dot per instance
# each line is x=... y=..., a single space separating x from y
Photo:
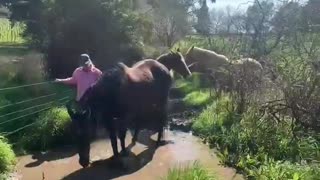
x=134 y=97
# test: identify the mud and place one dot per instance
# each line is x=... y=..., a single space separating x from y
x=144 y=162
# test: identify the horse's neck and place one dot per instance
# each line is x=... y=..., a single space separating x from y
x=165 y=62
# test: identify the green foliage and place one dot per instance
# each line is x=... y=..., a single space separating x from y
x=7 y=157
x=52 y=129
x=191 y=172
x=9 y=33
x=192 y=83
x=255 y=144
x=28 y=70
x=63 y=29
x=219 y=113
x=198 y=98
x=221 y=45
x=271 y=169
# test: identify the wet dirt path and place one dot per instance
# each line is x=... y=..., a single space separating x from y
x=144 y=162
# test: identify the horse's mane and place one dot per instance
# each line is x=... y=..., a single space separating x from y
x=248 y=62
x=106 y=89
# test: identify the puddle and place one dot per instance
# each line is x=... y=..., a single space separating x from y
x=144 y=161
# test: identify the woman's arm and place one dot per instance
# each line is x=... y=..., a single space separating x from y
x=69 y=81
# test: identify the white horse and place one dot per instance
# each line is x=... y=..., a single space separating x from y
x=200 y=60
x=218 y=65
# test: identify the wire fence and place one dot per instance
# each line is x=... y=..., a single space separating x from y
x=27 y=85
x=32 y=99
x=35 y=109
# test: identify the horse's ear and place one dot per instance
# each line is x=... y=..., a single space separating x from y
x=171 y=52
x=178 y=49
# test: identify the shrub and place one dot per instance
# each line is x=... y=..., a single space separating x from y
x=7 y=157
x=50 y=131
x=195 y=171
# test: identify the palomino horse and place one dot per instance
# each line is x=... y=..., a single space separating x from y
x=218 y=67
x=134 y=96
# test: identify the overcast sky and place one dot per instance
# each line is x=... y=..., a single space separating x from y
x=242 y=4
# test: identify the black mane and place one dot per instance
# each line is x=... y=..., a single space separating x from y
x=106 y=90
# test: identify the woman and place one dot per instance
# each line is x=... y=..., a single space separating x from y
x=83 y=77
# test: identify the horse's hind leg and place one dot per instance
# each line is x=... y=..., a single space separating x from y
x=122 y=136
x=136 y=121
x=160 y=135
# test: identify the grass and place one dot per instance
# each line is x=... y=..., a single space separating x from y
x=50 y=125
x=257 y=147
x=191 y=172
x=8 y=49
x=198 y=98
x=50 y=131
x=7 y=157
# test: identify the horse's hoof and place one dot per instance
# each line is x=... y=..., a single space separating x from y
x=133 y=142
x=115 y=157
x=160 y=143
x=84 y=163
x=124 y=153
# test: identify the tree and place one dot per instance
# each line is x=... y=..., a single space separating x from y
x=171 y=21
x=63 y=29
x=258 y=25
x=311 y=17
x=203 y=25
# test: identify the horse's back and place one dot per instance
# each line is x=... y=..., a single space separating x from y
x=207 y=59
x=147 y=87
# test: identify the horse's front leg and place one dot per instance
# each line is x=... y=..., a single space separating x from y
x=135 y=135
x=113 y=138
x=162 y=121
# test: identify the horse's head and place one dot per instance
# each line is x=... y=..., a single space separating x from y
x=189 y=57
x=175 y=61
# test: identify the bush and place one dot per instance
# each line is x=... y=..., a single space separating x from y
x=7 y=157
x=51 y=130
x=195 y=171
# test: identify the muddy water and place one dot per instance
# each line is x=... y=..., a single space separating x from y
x=144 y=161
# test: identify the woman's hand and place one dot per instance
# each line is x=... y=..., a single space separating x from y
x=57 y=80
